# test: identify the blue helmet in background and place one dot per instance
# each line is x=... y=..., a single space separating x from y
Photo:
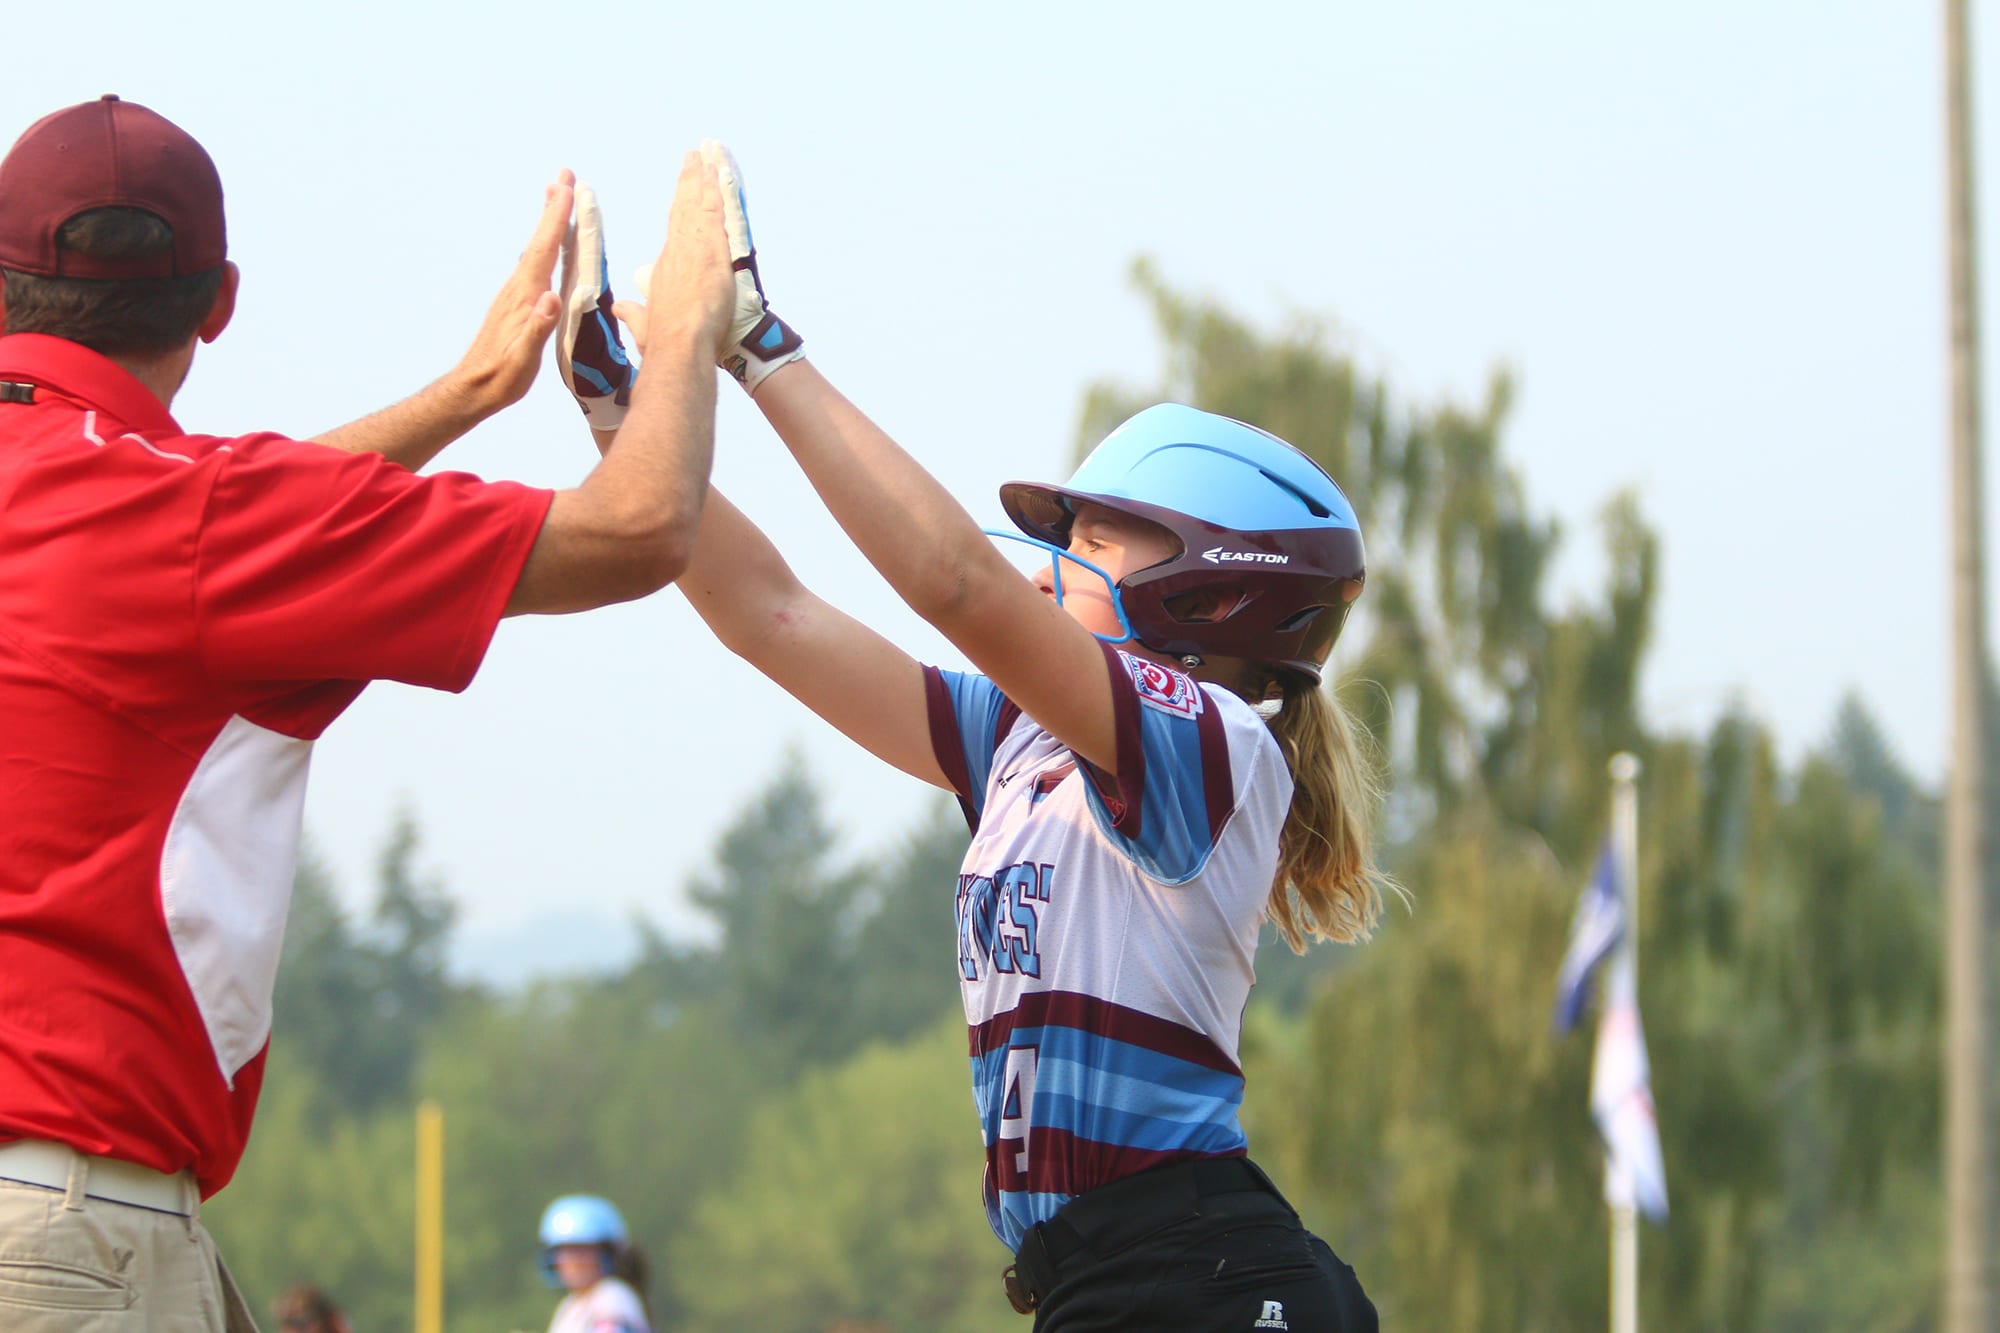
x=578 y=1219
x=1254 y=517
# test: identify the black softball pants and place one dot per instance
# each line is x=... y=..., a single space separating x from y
x=1201 y=1245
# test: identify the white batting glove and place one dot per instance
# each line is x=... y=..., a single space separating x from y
x=589 y=352
x=759 y=342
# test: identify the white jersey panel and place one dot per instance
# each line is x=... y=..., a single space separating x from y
x=226 y=880
x=1182 y=951
x=609 y=1306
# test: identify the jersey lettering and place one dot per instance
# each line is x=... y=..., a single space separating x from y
x=1019 y=1081
x=999 y=919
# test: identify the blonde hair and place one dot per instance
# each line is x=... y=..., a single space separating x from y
x=1327 y=886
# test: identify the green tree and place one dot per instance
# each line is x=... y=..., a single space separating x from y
x=577 y=1088
x=356 y=1004
x=412 y=924
x=324 y=974
x=904 y=967
x=858 y=1203
x=1420 y=1114
x=641 y=1087
x=322 y=1196
x=787 y=917
x=813 y=956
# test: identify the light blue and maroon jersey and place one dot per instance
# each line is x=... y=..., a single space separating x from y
x=1107 y=928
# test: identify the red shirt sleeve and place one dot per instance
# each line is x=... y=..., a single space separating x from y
x=316 y=564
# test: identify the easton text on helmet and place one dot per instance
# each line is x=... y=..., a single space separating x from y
x=1215 y=555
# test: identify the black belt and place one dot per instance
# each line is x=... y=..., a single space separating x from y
x=1111 y=1216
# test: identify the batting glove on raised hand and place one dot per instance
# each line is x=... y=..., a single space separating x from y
x=759 y=342
x=589 y=352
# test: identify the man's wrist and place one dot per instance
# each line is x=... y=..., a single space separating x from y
x=463 y=397
x=678 y=339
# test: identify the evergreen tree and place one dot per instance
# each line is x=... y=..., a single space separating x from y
x=905 y=972
x=356 y=1005
x=788 y=920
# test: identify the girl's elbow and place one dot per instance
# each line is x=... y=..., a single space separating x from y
x=945 y=594
x=766 y=635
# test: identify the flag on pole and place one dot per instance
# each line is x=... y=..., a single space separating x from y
x=1595 y=931
x=1621 y=1080
x=1621 y=1100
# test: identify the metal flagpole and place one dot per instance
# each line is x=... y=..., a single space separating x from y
x=1967 y=1087
x=1625 y=855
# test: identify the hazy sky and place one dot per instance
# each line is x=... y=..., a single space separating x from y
x=1707 y=239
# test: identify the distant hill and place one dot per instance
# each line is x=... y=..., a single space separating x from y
x=554 y=944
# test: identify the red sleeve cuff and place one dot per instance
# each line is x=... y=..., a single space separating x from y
x=510 y=558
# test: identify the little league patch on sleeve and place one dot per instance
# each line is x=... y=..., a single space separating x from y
x=1165 y=689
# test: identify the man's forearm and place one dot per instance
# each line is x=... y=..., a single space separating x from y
x=628 y=528
x=495 y=371
x=414 y=431
x=664 y=449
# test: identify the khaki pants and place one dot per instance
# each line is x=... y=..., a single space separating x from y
x=71 y=1264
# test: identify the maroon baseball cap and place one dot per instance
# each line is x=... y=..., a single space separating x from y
x=108 y=154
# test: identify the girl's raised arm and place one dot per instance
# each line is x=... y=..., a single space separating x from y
x=937 y=559
x=737 y=582
x=832 y=663
x=911 y=530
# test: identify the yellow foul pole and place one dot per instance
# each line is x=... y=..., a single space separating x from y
x=430 y=1219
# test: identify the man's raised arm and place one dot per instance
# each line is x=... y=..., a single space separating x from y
x=629 y=528
x=495 y=371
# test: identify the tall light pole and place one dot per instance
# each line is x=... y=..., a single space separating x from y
x=1966 y=1279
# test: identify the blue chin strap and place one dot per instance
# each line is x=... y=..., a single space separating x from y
x=1059 y=555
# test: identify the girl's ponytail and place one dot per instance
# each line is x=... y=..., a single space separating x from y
x=1327 y=886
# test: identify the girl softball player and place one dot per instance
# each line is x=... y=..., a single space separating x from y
x=586 y=1252
x=1151 y=771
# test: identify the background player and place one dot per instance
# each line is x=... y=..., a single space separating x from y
x=304 y=1307
x=1138 y=811
x=587 y=1252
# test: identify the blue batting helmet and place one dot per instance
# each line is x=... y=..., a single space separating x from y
x=578 y=1219
x=1253 y=516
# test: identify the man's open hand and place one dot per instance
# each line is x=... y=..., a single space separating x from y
x=690 y=286
x=507 y=351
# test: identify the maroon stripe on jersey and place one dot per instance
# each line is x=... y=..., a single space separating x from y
x=1218 y=786
x=946 y=746
x=1087 y=1013
x=1131 y=775
x=1061 y=1163
x=1004 y=720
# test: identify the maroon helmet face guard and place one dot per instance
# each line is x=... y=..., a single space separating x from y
x=1294 y=586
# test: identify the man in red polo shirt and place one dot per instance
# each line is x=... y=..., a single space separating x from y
x=181 y=616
